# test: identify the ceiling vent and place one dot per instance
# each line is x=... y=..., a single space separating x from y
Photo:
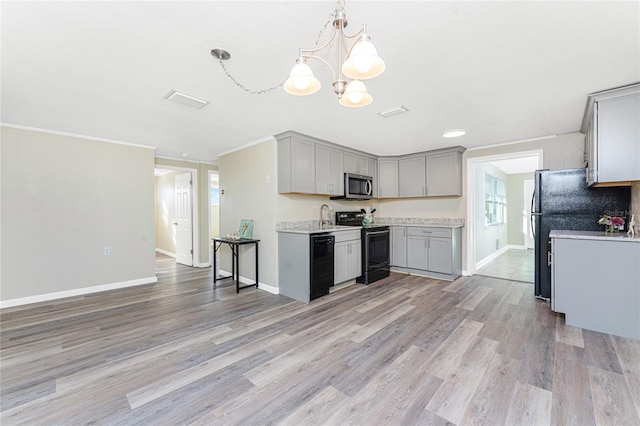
x=400 y=109
x=185 y=99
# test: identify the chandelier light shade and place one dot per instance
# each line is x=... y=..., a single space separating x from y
x=359 y=62
x=301 y=80
x=355 y=95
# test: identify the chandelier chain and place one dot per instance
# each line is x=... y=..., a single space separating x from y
x=332 y=17
x=242 y=86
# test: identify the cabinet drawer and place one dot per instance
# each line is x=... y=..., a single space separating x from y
x=428 y=232
x=347 y=235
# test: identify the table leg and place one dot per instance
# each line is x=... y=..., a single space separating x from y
x=257 y=281
x=215 y=250
x=237 y=269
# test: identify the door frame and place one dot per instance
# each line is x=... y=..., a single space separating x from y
x=471 y=196
x=194 y=211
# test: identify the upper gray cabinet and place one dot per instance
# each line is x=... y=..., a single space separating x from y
x=358 y=164
x=329 y=173
x=372 y=170
x=612 y=144
x=431 y=174
x=411 y=176
x=296 y=163
x=387 y=178
x=444 y=172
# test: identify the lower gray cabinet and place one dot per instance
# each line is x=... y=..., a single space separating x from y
x=399 y=246
x=348 y=256
x=430 y=251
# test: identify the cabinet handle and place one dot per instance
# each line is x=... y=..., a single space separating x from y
x=549 y=257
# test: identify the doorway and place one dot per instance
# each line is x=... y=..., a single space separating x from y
x=176 y=216
x=498 y=211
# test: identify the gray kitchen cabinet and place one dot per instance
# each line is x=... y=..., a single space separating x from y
x=328 y=166
x=387 y=178
x=348 y=256
x=417 y=252
x=411 y=176
x=596 y=292
x=398 y=246
x=355 y=163
x=612 y=127
x=296 y=163
x=431 y=251
x=444 y=172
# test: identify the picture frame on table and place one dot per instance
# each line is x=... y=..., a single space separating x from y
x=245 y=229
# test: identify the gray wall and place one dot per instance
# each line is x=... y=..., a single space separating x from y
x=63 y=200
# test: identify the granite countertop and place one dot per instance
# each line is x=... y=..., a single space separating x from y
x=593 y=235
x=312 y=226
x=416 y=221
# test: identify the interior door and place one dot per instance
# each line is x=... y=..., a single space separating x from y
x=182 y=223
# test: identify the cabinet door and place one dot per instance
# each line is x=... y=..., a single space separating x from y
x=354 y=253
x=411 y=177
x=417 y=252
x=328 y=170
x=440 y=255
x=399 y=246
x=336 y=174
x=323 y=168
x=388 y=179
x=444 y=174
x=302 y=166
x=354 y=163
x=340 y=268
x=618 y=133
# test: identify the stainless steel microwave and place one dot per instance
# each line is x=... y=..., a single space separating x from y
x=356 y=187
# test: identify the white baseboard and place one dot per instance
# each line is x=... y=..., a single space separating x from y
x=497 y=253
x=76 y=292
x=168 y=253
x=262 y=286
x=202 y=265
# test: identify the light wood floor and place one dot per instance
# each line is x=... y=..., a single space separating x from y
x=405 y=350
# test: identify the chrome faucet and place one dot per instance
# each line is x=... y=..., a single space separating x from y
x=324 y=222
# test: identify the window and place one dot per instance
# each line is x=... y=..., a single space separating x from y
x=495 y=201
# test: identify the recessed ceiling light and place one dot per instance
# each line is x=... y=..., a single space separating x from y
x=454 y=133
x=400 y=109
x=185 y=99
x=184 y=154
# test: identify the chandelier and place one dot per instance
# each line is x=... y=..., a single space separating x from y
x=359 y=61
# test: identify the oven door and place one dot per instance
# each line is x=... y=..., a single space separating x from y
x=377 y=249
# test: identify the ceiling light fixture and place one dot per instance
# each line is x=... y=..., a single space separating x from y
x=455 y=133
x=390 y=112
x=359 y=62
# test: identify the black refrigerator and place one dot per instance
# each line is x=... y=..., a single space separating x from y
x=563 y=201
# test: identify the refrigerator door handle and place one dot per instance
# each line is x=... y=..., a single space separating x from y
x=533 y=213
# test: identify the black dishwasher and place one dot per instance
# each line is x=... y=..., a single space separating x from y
x=321 y=264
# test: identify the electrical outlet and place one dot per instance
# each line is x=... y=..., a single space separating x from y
x=107 y=251
x=267 y=179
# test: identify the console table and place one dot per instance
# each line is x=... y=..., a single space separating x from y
x=234 y=245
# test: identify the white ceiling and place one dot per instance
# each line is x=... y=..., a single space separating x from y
x=504 y=71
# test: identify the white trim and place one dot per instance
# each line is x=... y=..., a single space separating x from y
x=202 y=265
x=541 y=138
x=76 y=135
x=165 y=252
x=76 y=292
x=195 y=237
x=259 y=141
x=471 y=195
x=497 y=253
x=262 y=286
x=164 y=157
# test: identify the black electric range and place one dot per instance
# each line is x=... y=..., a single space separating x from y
x=376 y=250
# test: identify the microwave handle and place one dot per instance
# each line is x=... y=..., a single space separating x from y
x=369 y=187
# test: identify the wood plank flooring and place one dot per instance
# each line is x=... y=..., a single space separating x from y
x=401 y=351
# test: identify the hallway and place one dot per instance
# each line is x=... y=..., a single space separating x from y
x=516 y=265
